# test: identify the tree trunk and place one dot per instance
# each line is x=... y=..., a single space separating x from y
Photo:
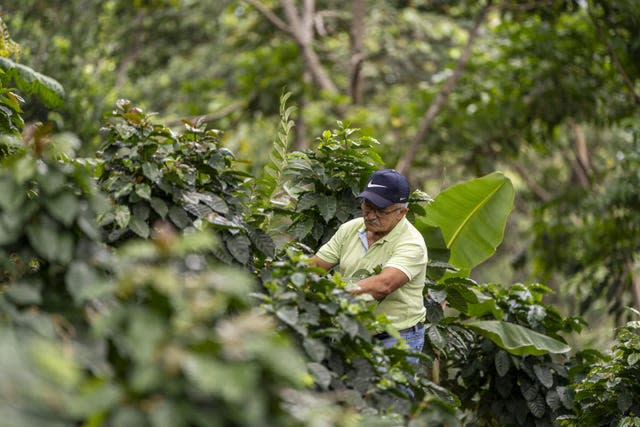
x=632 y=269
x=300 y=27
x=357 y=51
x=404 y=164
x=581 y=163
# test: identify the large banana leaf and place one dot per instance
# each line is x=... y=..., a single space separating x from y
x=517 y=339
x=472 y=216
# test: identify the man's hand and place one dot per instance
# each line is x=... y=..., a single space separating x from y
x=382 y=284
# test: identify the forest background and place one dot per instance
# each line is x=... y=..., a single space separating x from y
x=545 y=91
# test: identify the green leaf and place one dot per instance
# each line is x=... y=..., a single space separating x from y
x=537 y=406
x=159 y=206
x=82 y=282
x=151 y=171
x=633 y=358
x=321 y=374
x=553 y=400
x=50 y=243
x=517 y=339
x=566 y=396
x=348 y=324
x=11 y=195
x=303 y=228
x=288 y=315
x=240 y=247
x=307 y=201
x=123 y=191
x=316 y=350
x=263 y=242
x=63 y=207
x=122 y=215
x=25 y=293
x=144 y=191
x=327 y=207
x=436 y=336
x=472 y=216
x=625 y=400
x=544 y=375
x=179 y=217
x=502 y=362
x=139 y=226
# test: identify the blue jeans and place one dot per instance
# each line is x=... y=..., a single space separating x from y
x=414 y=336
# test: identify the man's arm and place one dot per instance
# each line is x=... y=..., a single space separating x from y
x=382 y=284
x=316 y=261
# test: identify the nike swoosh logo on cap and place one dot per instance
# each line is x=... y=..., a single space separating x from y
x=376 y=185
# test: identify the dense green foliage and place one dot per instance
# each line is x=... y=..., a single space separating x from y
x=608 y=394
x=154 y=174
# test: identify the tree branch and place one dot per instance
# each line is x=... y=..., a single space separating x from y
x=614 y=58
x=272 y=17
x=405 y=161
x=220 y=114
x=535 y=188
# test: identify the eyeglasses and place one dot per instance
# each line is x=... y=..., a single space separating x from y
x=380 y=213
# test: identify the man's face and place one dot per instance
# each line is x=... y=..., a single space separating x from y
x=377 y=220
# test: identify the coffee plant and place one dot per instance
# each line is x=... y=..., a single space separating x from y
x=608 y=394
x=325 y=182
x=154 y=174
x=335 y=329
x=497 y=382
x=50 y=251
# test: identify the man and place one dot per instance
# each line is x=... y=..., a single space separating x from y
x=383 y=238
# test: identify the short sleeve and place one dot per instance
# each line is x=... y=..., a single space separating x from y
x=331 y=251
x=410 y=258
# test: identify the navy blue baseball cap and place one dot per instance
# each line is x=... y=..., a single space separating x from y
x=386 y=187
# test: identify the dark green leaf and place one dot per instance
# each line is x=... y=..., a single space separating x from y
x=502 y=362
x=288 y=315
x=348 y=324
x=123 y=191
x=625 y=400
x=315 y=349
x=159 y=206
x=50 y=243
x=327 y=206
x=307 y=201
x=139 y=226
x=179 y=217
x=240 y=247
x=301 y=229
x=537 y=406
x=529 y=389
x=263 y=242
x=11 y=195
x=437 y=337
x=81 y=280
x=321 y=374
x=544 y=375
x=144 y=191
x=566 y=397
x=64 y=207
x=25 y=293
x=151 y=171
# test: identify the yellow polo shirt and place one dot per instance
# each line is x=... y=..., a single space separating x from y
x=403 y=248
